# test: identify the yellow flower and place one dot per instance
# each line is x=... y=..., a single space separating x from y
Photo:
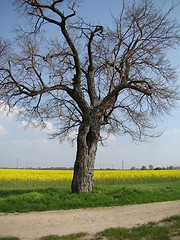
x=61 y=175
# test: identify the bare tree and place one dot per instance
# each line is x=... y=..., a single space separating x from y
x=89 y=78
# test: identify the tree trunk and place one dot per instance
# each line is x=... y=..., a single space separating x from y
x=85 y=158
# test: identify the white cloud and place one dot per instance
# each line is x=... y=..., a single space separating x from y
x=42 y=141
x=24 y=124
x=3 y=106
x=107 y=136
x=48 y=126
x=3 y=109
x=22 y=142
x=171 y=132
x=111 y=137
x=3 y=131
x=72 y=135
x=10 y=113
x=31 y=124
x=3 y=143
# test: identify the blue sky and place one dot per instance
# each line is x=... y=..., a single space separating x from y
x=32 y=147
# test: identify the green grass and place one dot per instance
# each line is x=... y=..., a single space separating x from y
x=149 y=231
x=26 y=197
x=9 y=238
x=165 y=230
x=67 y=237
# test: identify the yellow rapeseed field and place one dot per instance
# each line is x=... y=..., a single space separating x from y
x=61 y=175
x=136 y=174
x=35 y=175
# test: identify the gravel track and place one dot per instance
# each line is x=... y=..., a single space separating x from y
x=34 y=225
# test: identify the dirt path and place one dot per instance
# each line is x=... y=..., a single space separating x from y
x=28 y=226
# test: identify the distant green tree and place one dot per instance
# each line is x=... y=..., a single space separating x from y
x=143 y=168
x=151 y=167
x=133 y=168
x=171 y=168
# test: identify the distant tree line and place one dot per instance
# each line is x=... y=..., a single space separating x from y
x=151 y=167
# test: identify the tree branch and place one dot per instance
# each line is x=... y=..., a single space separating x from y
x=90 y=75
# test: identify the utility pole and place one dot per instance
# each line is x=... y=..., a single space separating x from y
x=17 y=163
x=122 y=165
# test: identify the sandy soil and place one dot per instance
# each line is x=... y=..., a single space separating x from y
x=34 y=225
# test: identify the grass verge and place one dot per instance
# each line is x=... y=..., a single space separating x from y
x=164 y=230
x=9 y=238
x=105 y=193
x=67 y=237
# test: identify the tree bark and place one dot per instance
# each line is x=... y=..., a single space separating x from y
x=87 y=142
